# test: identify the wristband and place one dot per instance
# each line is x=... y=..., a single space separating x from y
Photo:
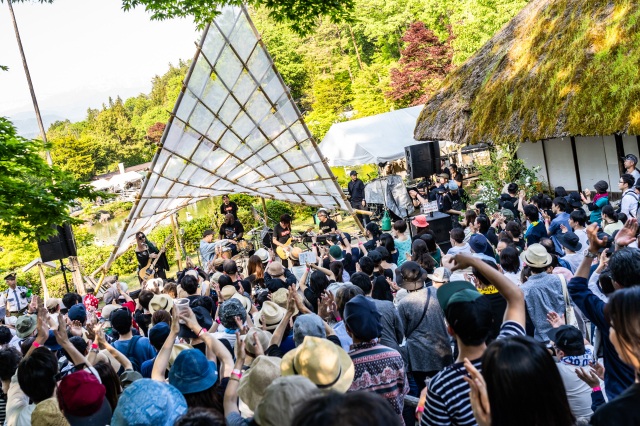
x=36 y=344
x=234 y=378
x=420 y=409
x=202 y=330
x=338 y=318
x=94 y=346
x=237 y=373
x=596 y=389
x=218 y=320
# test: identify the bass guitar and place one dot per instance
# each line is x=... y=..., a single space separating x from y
x=149 y=271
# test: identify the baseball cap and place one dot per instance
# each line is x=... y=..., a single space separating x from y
x=82 y=399
x=466 y=311
x=440 y=275
x=631 y=157
x=457 y=291
x=353 y=173
x=78 y=313
x=335 y=252
x=568 y=339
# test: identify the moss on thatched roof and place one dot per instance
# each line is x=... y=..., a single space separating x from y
x=559 y=68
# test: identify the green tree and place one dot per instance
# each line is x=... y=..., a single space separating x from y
x=33 y=196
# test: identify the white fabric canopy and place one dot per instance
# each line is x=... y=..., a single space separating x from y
x=371 y=140
x=234 y=129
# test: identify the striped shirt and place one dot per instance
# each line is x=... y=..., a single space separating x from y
x=381 y=370
x=448 y=400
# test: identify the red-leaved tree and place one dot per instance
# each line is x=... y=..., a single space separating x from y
x=424 y=63
x=154 y=132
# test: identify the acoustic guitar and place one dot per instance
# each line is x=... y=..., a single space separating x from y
x=149 y=271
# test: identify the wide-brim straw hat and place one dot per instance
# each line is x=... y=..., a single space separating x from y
x=160 y=302
x=281 y=297
x=245 y=302
x=536 y=256
x=327 y=365
x=228 y=291
x=295 y=253
x=273 y=315
x=264 y=370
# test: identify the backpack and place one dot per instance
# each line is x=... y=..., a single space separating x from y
x=129 y=354
x=636 y=204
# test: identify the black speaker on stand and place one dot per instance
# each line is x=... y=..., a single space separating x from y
x=423 y=160
x=58 y=247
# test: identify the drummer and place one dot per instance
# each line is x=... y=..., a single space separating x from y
x=232 y=230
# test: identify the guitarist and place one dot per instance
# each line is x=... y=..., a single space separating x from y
x=282 y=233
x=146 y=250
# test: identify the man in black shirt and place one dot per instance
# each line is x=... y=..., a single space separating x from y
x=232 y=230
x=356 y=195
x=229 y=206
x=282 y=236
x=327 y=226
x=455 y=174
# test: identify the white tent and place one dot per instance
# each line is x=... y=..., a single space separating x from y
x=234 y=129
x=371 y=140
x=100 y=184
x=120 y=181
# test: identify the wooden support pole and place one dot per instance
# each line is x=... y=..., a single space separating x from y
x=76 y=275
x=174 y=226
x=264 y=211
x=43 y=281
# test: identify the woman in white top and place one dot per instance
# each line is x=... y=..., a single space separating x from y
x=610 y=222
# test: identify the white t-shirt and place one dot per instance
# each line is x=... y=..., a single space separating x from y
x=574 y=259
x=514 y=277
x=460 y=249
x=578 y=392
x=582 y=236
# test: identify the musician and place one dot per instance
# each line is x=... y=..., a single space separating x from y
x=327 y=226
x=356 y=195
x=232 y=230
x=282 y=233
x=146 y=251
x=229 y=206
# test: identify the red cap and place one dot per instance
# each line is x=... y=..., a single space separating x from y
x=81 y=394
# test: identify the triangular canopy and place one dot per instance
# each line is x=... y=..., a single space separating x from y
x=234 y=129
x=371 y=140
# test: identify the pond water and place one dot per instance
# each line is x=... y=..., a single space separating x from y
x=107 y=233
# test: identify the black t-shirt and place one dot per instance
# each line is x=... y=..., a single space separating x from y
x=231 y=231
x=327 y=226
x=622 y=410
x=444 y=202
x=231 y=208
x=281 y=234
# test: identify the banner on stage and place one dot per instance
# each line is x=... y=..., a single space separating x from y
x=429 y=207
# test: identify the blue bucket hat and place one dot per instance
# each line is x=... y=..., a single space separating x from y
x=148 y=402
x=192 y=372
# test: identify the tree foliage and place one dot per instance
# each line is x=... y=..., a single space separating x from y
x=425 y=62
x=33 y=195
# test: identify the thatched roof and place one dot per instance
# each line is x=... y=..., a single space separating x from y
x=559 y=68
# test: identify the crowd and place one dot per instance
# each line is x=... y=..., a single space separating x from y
x=531 y=317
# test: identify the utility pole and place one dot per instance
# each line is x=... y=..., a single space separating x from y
x=28 y=75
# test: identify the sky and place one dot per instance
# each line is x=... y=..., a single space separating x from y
x=80 y=52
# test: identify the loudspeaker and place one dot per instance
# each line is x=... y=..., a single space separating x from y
x=59 y=246
x=423 y=159
x=440 y=224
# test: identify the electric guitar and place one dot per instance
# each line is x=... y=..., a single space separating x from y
x=281 y=250
x=149 y=271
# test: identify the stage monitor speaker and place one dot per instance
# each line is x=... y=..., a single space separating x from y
x=423 y=160
x=440 y=224
x=59 y=246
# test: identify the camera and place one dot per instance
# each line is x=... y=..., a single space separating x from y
x=23 y=294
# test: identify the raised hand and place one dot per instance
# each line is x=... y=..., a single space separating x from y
x=555 y=320
x=242 y=328
x=588 y=376
x=628 y=233
x=76 y=328
x=596 y=243
x=479 y=395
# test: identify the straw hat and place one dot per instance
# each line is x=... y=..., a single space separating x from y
x=321 y=361
x=175 y=351
x=295 y=253
x=275 y=269
x=536 y=256
x=281 y=297
x=160 y=302
x=245 y=302
x=263 y=254
x=228 y=291
x=264 y=337
x=54 y=303
x=272 y=313
x=107 y=310
x=253 y=384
